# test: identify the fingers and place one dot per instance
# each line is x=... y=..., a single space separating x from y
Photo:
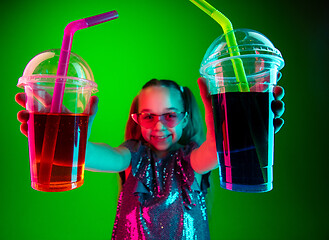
x=20 y=98
x=42 y=97
x=23 y=116
x=23 y=128
x=93 y=105
x=259 y=87
x=204 y=94
x=209 y=119
x=202 y=87
x=278 y=92
x=278 y=123
x=277 y=107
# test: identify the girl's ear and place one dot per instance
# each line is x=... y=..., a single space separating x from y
x=185 y=120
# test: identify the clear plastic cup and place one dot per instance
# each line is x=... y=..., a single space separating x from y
x=57 y=165
x=242 y=114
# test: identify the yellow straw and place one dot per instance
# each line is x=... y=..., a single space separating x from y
x=232 y=45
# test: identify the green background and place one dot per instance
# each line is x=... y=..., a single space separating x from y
x=167 y=39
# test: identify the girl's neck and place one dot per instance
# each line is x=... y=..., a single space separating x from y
x=163 y=153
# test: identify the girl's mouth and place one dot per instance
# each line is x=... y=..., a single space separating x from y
x=160 y=138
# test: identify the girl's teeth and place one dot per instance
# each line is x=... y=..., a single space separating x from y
x=160 y=137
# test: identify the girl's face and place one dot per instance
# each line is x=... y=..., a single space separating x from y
x=159 y=100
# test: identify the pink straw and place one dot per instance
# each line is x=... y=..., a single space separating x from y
x=52 y=124
x=64 y=56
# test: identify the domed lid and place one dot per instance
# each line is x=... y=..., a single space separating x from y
x=43 y=67
x=251 y=44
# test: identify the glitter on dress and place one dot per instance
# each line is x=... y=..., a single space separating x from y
x=161 y=198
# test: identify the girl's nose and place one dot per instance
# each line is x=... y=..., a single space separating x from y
x=159 y=125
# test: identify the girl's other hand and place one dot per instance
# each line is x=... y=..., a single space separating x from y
x=278 y=107
x=206 y=99
x=23 y=115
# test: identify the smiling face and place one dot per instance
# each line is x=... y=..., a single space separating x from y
x=159 y=100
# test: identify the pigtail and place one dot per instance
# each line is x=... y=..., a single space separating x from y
x=194 y=130
x=133 y=130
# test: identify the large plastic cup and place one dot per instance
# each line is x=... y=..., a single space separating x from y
x=59 y=164
x=243 y=119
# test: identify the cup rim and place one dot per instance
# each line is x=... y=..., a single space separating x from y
x=25 y=80
x=279 y=63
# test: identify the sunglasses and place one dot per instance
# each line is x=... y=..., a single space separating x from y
x=149 y=120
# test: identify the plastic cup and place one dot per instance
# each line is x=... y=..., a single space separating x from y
x=67 y=130
x=243 y=119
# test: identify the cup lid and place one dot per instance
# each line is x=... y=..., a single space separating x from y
x=251 y=44
x=43 y=67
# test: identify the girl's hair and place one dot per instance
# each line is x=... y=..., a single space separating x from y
x=194 y=129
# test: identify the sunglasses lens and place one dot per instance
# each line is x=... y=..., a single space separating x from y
x=171 y=119
x=148 y=120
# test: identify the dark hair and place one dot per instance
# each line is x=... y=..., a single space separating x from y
x=194 y=129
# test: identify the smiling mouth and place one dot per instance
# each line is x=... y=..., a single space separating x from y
x=160 y=138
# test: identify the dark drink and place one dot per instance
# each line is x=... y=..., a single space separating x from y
x=68 y=149
x=244 y=139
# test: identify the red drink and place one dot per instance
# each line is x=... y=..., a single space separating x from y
x=69 y=145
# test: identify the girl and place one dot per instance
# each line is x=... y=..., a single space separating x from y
x=164 y=162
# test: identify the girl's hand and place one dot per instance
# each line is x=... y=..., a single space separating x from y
x=93 y=102
x=23 y=115
x=277 y=106
x=206 y=99
x=204 y=158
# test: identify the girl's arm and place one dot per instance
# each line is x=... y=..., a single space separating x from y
x=204 y=158
x=101 y=157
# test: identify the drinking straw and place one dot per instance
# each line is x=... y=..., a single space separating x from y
x=52 y=124
x=64 y=56
x=232 y=45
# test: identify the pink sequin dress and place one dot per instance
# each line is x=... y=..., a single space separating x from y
x=161 y=199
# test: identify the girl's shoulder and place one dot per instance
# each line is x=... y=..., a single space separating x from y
x=132 y=144
x=190 y=146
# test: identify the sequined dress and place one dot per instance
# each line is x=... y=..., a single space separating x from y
x=161 y=199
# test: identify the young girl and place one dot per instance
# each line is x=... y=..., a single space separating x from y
x=164 y=162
